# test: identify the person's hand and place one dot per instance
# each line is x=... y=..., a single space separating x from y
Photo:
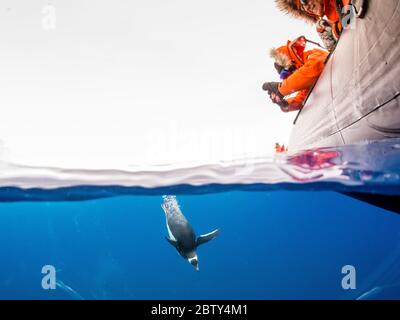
x=327 y=35
x=276 y=97
x=282 y=103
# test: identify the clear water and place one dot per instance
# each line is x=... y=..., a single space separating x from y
x=286 y=231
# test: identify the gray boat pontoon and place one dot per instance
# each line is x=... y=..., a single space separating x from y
x=357 y=96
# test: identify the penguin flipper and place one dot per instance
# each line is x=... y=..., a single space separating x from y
x=174 y=243
x=207 y=237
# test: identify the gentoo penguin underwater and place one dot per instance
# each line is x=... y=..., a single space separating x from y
x=181 y=234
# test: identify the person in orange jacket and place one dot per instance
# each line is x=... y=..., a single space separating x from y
x=326 y=14
x=299 y=70
x=280 y=148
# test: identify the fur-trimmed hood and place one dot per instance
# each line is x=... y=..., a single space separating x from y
x=292 y=54
x=280 y=58
x=292 y=7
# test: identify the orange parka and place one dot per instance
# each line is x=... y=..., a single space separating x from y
x=309 y=65
x=332 y=15
x=294 y=8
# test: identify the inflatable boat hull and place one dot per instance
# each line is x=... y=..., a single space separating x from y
x=357 y=97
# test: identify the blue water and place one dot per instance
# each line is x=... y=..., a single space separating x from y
x=274 y=244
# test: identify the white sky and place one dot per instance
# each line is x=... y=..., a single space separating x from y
x=118 y=83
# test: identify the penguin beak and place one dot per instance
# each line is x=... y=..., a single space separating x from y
x=194 y=263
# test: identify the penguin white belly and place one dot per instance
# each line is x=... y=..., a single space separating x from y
x=171 y=236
